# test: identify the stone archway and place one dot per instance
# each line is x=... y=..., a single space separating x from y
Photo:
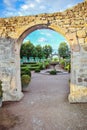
x=72 y=24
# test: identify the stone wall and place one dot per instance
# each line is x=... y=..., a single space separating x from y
x=72 y=24
x=9 y=70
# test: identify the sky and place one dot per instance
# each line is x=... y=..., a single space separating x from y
x=10 y=8
x=46 y=37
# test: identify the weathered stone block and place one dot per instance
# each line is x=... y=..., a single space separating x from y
x=86 y=40
x=77 y=94
x=79 y=79
x=81 y=34
x=81 y=41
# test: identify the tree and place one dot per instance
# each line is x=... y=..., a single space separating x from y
x=23 y=51
x=47 y=50
x=63 y=50
x=27 y=49
x=39 y=51
x=34 y=52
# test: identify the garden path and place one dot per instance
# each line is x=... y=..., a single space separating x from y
x=46 y=106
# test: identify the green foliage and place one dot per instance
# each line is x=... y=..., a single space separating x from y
x=53 y=72
x=23 y=50
x=1 y=92
x=55 y=59
x=46 y=64
x=37 y=70
x=33 y=68
x=40 y=51
x=41 y=66
x=25 y=71
x=62 y=63
x=29 y=50
x=26 y=49
x=47 y=50
x=23 y=65
x=63 y=50
x=25 y=79
x=68 y=68
x=34 y=52
x=29 y=63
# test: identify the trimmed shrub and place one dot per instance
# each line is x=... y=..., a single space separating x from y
x=37 y=70
x=53 y=72
x=25 y=71
x=33 y=65
x=23 y=65
x=28 y=72
x=33 y=68
x=41 y=66
x=29 y=63
x=25 y=79
x=68 y=68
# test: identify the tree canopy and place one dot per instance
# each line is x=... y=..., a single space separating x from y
x=47 y=50
x=63 y=50
x=29 y=50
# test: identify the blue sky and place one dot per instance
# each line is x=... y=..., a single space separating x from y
x=46 y=37
x=10 y=8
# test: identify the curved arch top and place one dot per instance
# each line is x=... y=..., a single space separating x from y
x=40 y=26
x=31 y=29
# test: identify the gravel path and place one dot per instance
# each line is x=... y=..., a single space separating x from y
x=46 y=106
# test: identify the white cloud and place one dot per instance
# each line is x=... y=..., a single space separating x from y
x=69 y=6
x=9 y=2
x=42 y=32
x=32 y=5
x=48 y=34
x=27 y=6
x=20 y=13
x=42 y=39
x=24 y=7
x=38 y=1
x=42 y=7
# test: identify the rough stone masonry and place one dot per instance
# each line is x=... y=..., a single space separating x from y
x=72 y=24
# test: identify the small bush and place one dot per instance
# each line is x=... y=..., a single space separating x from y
x=55 y=59
x=62 y=63
x=37 y=70
x=46 y=64
x=53 y=72
x=25 y=79
x=68 y=68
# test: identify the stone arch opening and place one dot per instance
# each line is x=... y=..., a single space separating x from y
x=40 y=26
x=30 y=30
x=70 y=23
